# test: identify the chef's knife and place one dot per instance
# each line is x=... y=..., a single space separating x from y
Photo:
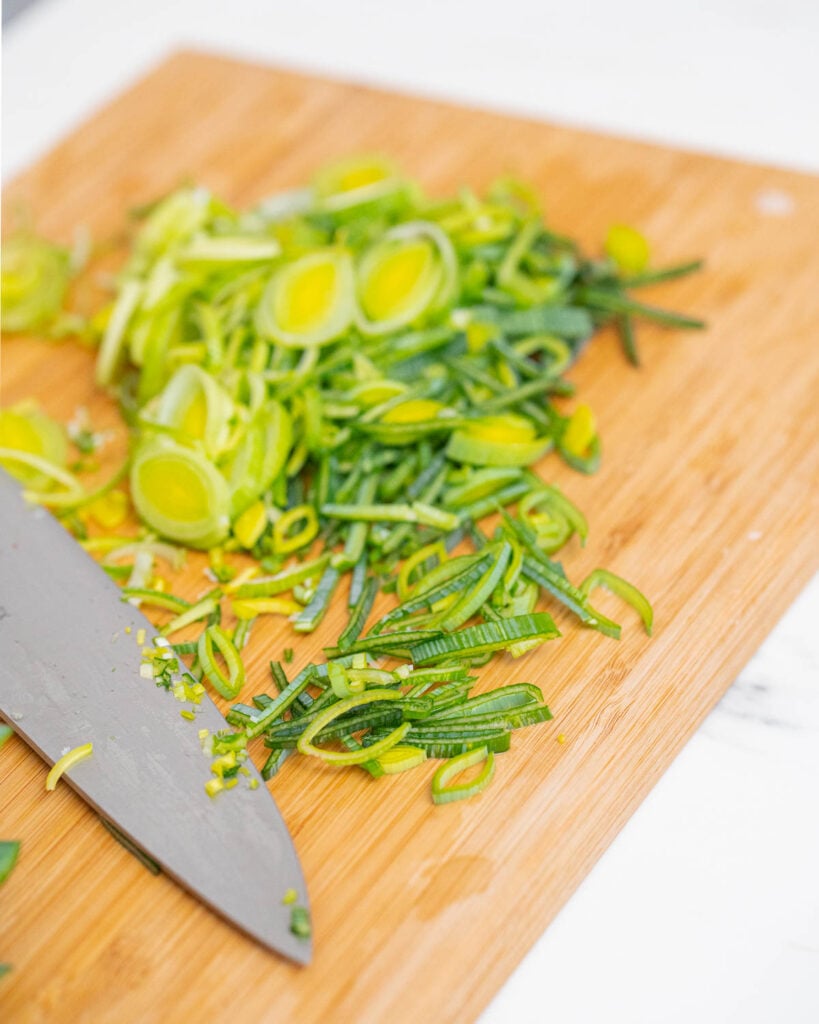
x=69 y=674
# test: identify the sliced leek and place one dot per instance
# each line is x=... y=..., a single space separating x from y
x=310 y=301
x=180 y=493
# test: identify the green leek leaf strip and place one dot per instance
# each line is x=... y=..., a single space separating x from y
x=448 y=695
x=614 y=302
x=6 y=732
x=661 y=274
x=421 y=679
x=504 y=698
x=279 y=676
x=287 y=579
x=480 y=484
x=514 y=396
x=553 y=498
x=305 y=744
x=276 y=708
x=309 y=618
x=385 y=643
x=382 y=716
x=518 y=355
x=396 y=481
x=214 y=640
x=623 y=589
x=9 y=851
x=438 y=746
x=506 y=496
x=443 y=791
x=471 y=600
x=357 y=535
x=203 y=608
x=625 y=326
x=450 y=577
x=418 y=512
x=486 y=637
x=156 y=598
x=359 y=613
x=357 y=581
x=274 y=762
x=513 y=718
x=423 y=492
x=241 y=634
x=571 y=322
x=539 y=568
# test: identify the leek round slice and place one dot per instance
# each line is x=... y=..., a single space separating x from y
x=356 y=182
x=32 y=432
x=34 y=278
x=194 y=405
x=405 y=278
x=310 y=301
x=180 y=494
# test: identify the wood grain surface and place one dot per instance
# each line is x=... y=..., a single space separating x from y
x=706 y=499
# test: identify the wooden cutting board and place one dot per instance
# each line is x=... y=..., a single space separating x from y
x=706 y=499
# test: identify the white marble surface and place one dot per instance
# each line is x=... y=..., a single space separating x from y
x=706 y=907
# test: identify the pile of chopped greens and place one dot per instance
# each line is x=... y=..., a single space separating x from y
x=350 y=383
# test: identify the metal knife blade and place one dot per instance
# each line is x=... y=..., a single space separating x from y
x=69 y=674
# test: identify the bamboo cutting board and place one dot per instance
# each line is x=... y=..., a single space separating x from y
x=706 y=499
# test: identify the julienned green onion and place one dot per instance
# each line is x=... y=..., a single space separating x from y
x=342 y=384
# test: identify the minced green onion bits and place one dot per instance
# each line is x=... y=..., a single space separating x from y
x=332 y=393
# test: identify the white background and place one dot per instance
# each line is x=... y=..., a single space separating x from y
x=706 y=908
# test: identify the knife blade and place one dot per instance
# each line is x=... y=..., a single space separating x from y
x=69 y=674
